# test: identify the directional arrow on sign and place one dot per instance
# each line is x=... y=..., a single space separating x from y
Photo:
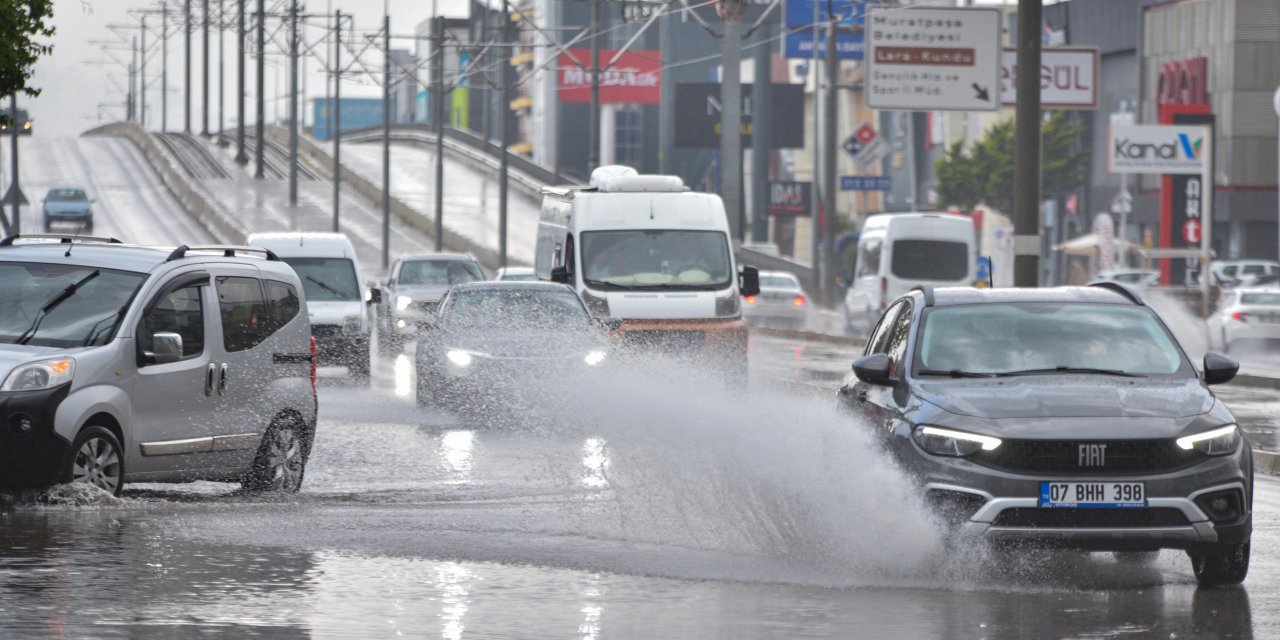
x=981 y=93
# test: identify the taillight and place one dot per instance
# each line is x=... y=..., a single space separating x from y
x=1240 y=316
x=750 y=299
x=313 y=364
x=884 y=292
x=798 y=301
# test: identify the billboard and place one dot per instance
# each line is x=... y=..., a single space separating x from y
x=788 y=198
x=354 y=113
x=1068 y=78
x=634 y=79
x=1157 y=148
x=698 y=116
x=798 y=17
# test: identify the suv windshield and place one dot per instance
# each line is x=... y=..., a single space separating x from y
x=61 y=305
x=327 y=279
x=516 y=309
x=439 y=272
x=685 y=259
x=1010 y=338
x=931 y=260
x=66 y=195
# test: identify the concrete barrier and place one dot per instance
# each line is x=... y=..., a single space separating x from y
x=200 y=206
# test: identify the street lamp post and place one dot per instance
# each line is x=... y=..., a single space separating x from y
x=1275 y=103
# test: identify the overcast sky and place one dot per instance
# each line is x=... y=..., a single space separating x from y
x=76 y=80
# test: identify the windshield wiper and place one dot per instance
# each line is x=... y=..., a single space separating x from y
x=1064 y=369
x=339 y=294
x=100 y=327
x=52 y=304
x=954 y=373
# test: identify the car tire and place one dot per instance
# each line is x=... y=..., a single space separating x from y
x=1227 y=565
x=281 y=460
x=96 y=458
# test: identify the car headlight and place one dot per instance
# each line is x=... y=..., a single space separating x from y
x=459 y=357
x=403 y=302
x=945 y=442
x=594 y=358
x=1215 y=442
x=36 y=376
x=729 y=306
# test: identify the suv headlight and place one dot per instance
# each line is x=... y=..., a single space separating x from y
x=595 y=357
x=403 y=302
x=1216 y=442
x=945 y=442
x=459 y=357
x=730 y=305
x=36 y=376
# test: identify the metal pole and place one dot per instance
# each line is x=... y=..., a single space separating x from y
x=1206 y=229
x=815 y=206
x=222 y=84
x=593 y=151
x=437 y=117
x=164 y=66
x=293 y=103
x=15 y=216
x=1026 y=164
x=186 y=82
x=829 y=167
x=760 y=147
x=504 y=129
x=241 y=156
x=204 y=97
x=132 y=98
x=386 y=142
x=731 y=122
x=142 y=77
x=336 y=115
x=259 y=170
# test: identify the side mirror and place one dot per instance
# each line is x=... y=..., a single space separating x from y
x=749 y=281
x=561 y=275
x=166 y=347
x=375 y=296
x=610 y=324
x=873 y=369
x=1219 y=368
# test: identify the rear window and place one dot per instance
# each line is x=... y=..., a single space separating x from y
x=778 y=282
x=1260 y=298
x=937 y=260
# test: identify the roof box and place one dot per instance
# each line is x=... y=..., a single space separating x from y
x=621 y=179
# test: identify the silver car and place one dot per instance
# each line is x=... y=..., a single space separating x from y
x=412 y=291
x=781 y=301
x=1246 y=317
x=124 y=364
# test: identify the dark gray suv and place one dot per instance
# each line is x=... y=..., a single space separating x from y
x=1066 y=417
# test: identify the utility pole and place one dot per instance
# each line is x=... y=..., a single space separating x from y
x=222 y=84
x=259 y=170
x=731 y=114
x=504 y=128
x=142 y=74
x=131 y=97
x=829 y=166
x=15 y=215
x=164 y=67
x=186 y=83
x=293 y=103
x=386 y=142
x=335 y=114
x=204 y=97
x=437 y=122
x=761 y=118
x=816 y=200
x=1026 y=165
x=593 y=153
x=241 y=157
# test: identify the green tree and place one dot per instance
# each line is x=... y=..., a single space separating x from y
x=984 y=175
x=25 y=27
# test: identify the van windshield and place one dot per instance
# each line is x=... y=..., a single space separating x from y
x=930 y=260
x=656 y=259
x=327 y=279
x=62 y=305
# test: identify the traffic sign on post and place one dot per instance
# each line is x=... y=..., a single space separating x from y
x=865 y=183
x=933 y=59
x=799 y=40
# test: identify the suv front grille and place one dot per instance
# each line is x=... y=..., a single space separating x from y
x=1037 y=517
x=1063 y=457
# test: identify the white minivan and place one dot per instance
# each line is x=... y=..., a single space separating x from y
x=899 y=251
x=336 y=302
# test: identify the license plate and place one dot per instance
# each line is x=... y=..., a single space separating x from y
x=1082 y=495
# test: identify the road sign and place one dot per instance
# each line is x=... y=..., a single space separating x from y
x=799 y=26
x=8 y=196
x=1068 y=78
x=933 y=59
x=1122 y=203
x=1157 y=148
x=864 y=183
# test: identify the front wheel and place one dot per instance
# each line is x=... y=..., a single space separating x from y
x=96 y=459
x=1226 y=565
x=281 y=459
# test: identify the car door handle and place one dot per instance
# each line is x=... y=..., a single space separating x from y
x=222 y=379
x=208 y=379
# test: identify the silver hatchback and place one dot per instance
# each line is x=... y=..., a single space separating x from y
x=125 y=363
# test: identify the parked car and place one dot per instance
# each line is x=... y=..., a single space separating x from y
x=414 y=286
x=507 y=339
x=336 y=305
x=1242 y=273
x=1066 y=417
x=1135 y=277
x=781 y=301
x=68 y=205
x=515 y=274
x=1246 y=317
x=124 y=363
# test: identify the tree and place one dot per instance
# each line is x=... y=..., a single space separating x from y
x=984 y=175
x=25 y=27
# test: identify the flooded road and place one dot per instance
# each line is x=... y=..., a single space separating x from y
x=710 y=514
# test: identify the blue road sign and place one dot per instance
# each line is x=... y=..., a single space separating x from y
x=799 y=13
x=799 y=24
x=864 y=183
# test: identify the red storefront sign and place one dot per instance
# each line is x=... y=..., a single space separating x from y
x=633 y=79
x=1184 y=82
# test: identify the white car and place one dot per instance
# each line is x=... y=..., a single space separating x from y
x=1136 y=277
x=1246 y=315
x=1242 y=273
x=781 y=301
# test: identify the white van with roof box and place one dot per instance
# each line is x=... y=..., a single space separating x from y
x=337 y=305
x=648 y=251
x=900 y=251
